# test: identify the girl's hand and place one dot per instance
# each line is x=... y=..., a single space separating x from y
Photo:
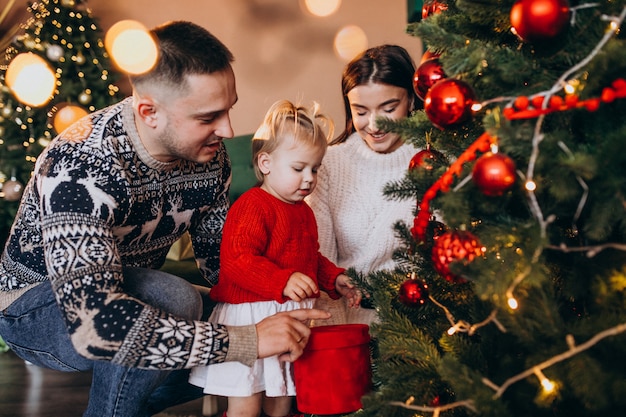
x=300 y=287
x=345 y=287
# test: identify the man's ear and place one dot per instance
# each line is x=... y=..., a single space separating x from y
x=263 y=160
x=147 y=111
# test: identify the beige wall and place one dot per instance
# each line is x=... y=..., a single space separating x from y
x=280 y=51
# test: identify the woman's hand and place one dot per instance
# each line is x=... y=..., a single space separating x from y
x=345 y=287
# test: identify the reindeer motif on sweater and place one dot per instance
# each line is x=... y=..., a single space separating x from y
x=98 y=202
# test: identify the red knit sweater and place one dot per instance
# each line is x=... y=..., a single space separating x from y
x=264 y=241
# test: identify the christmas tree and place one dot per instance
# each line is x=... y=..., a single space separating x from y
x=66 y=36
x=509 y=294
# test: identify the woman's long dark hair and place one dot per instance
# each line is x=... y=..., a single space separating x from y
x=384 y=64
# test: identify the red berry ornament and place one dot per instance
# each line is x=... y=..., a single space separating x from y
x=413 y=293
x=449 y=102
x=536 y=20
x=494 y=173
x=426 y=75
x=454 y=246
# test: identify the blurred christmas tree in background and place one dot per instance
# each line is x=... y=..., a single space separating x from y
x=509 y=295
x=67 y=38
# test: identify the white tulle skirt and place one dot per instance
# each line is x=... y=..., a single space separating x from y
x=233 y=379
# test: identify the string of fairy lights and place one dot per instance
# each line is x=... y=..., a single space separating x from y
x=545 y=104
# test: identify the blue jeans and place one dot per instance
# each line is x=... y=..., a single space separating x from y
x=33 y=328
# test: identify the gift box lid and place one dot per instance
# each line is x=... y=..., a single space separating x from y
x=338 y=336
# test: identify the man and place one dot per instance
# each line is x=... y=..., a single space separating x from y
x=108 y=197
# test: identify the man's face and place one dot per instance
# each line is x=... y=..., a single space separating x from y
x=194 y=124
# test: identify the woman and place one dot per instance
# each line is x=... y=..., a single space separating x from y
x=355 y=220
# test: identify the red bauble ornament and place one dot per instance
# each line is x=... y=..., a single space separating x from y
x=426 y=75
x=433 y=7
x=428 y=55
x=449 y=102
x=425 y=159
x=494 y=173
x=413 y=292
x=454 y=246
x=435 y=230
x=536 y=20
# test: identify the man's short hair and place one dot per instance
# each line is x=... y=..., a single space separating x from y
x=185 y=48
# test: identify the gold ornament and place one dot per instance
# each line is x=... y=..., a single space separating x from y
x=84 y=97
x=29 y=43
x=66 y=116
x=12 y=190
x=54 y=52
x=6 y=111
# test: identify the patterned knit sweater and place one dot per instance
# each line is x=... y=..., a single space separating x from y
x=355 y=220
x=98 y=201
x=266 y=240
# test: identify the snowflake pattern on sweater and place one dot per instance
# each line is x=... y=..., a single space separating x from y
x=97 y=202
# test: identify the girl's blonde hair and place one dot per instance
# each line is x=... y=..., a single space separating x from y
x=285 y=120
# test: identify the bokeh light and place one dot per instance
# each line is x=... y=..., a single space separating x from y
x=350 y=41
x=322 y=8
x=31 y=79
x=131 y=47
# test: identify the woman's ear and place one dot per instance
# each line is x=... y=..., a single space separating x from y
x=264 y=161
x=412 y=105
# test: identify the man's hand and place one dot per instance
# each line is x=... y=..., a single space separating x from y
x=286 y=334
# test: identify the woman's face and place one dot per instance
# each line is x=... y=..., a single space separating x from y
x=373 y=100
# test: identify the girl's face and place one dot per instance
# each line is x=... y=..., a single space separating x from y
x=373 y=100
x=290 y=171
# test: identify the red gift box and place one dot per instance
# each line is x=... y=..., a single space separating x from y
x=334 y=371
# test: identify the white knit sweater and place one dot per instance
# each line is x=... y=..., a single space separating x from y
x=355 y=220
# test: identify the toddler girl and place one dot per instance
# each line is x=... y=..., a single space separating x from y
x=270 y=259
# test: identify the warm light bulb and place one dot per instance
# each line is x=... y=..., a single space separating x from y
x=512 y=302
x=548 y=386
x=30 y=79
x=530 y=185
x=131 y=47
x=322 y=8
x=350 y=41
x=452 y=330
